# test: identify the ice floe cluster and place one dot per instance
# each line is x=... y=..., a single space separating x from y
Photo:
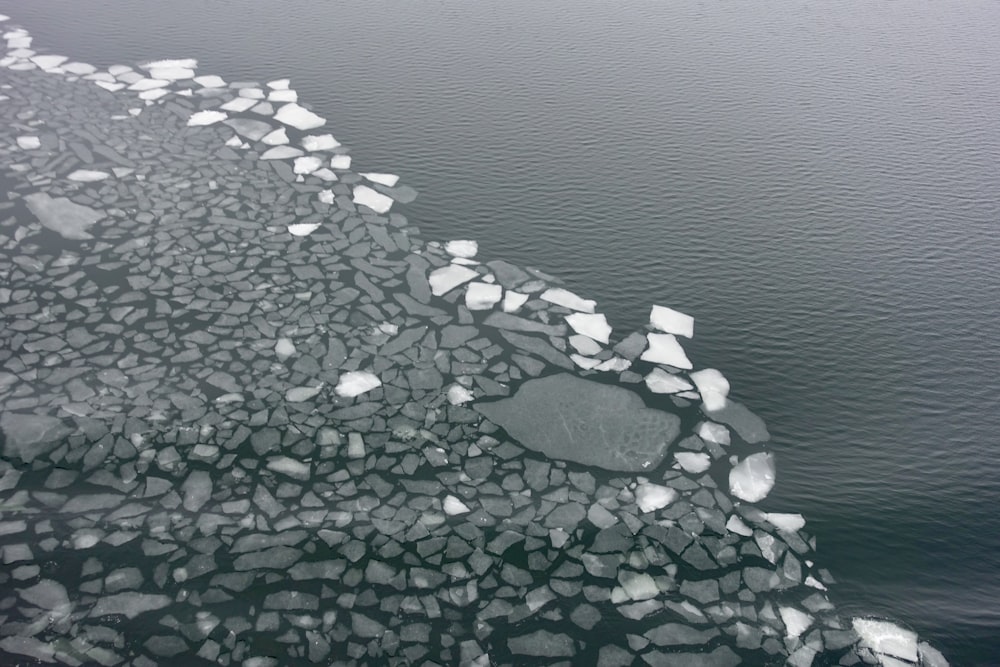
x=250 y=417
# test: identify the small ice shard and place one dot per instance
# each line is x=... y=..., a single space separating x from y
x=284 y=348
x=354 y=383
x=376 y=201
x=661 y=382
x=196 y=490
x=693 y=462
x=298 y=117
x=107 y=85
x=29 y=143
x=326 y=174
x=887 y=638
x=615 y=365
x=512 y=301
x=796 y=622
x=736 y=525
x=210 y=81
x=306 y=164
x=567 y=299
x=280 y=153
x=88 y=175
x=671 y=321
x=238 y=104
x=382 y=179
x=593 y=325
x=638 y=586
x=355 y=446
x=664 y=349
x=482 y=296
x=340 y=162
x=753 y=477
x=154 y=94
x=712 y=432
x=326 y=196
x=172 y=73
x=462 y=248
x=457 y=394
x=453 y=506
x=206 y=118
x=788 y=523
x=300 y=394
x=319 y=142
x=276 y=138
x=651 y=497
x=713 y=387
x=449 y=277
x=303 y=228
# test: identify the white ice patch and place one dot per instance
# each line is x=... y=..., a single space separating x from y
x=796 y=622
x=279 y=84
x=615 y=365
x=29 y=143
x=512 y=301
x=325 y=174
x=788 y=523
x=303 y=228
x=664 y=349
x=453 y=506
x=307 y=164
x=713 y=387
x=482 y=296
x=887 y=638
x=148 y=84
x=49 y=62
x=354 y=383
x=382 y=179
x=80 y=69
x=376 y=201
x=206 y=118
x=154 y=94
x=282 y=96
x=713 y=432
x=275 y=138
x=587 y=363
x=326 y=196
x=88 y=175
x=693 y=462
x=661 y=382
x=671 y=321
x=340 y=162
x=171 y=73
x=319 y=142
x=593 y=325
x=457 y=394
x=107 y=85
x=753 y=477
x=300 y=394
x=462 y=248
x=288 y=466
x=567 y=299
x=280 y=153
x=187 y=63
x=651 y=497
x=284 y=348
x=210 y=81
x=238 y=104
x=736 y=525
x=449 y=277
x=299 y=117
x=584 y=345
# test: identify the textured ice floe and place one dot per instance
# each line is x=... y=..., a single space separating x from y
x=661 y=382
x=567 y=299
x=67 y=218
x=482 y=296
x=886 y=639
x=652 y=497
x=788 y=523
x=693 y=462
x=340 y=162
x=207 y=117
x=319 y=142
x=376 y=201
x=593 y=325
x=298 y=117
x=449 y=277
x=382 y=179
x=713 y=387
x=512 y=301
x=664 y=349
x=462 y=248
x=88 y=175
x=29 y=143
x=671 y=321
x=306 y=164
x=457 y=394
x=796 y=621
x=354 y=383
x=753 y=477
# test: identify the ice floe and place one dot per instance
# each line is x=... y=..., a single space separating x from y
x=298 y=117
x=664 y=349
x=207 y=117
x=753 y=477
x=671 y=321
x=319 y=142
x=383 y=179
x=376 y=201
x=463 y=248
x=567 y=299
x=354 y=383
x=449 y=277
x=593 y=325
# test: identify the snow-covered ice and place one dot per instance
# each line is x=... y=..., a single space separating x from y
x=382 y=179
x=593 y=325
x=453 y=506
x=206 y=118
x=299 y=117
x=661 y=382
x=651 y=497
x=693 y=462
x=376 y=201
x=449 y=277
x=88 y=175
x=340 y=162
x=664 y=349
x=671 y=321
x=354 y=383
x=796 y=621
x=512 y=301
x=887 y=638
x=462 y=248
x=307 y=164
x=482 y=296
x=753 y=477
x=29 y=143
x=788 y=523
x=713 y=387
x=276 y=137
x=238 y=104
x=319 y=142
x=457 y=394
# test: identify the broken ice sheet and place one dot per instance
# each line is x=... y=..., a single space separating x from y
x=671 y=321
x=482 y=296
x=319 y=142
x=593 y=325
x=206 y=118
x=567 y=299
x=340 y=162
x=376 y=201
x=299 y=117
x=88 y=175
x=382 y=179
x=462 y=248
x=713 y=387
x=661 y=382
x=664 y=349
x=449 y=277
x=753 y=477
x=354 y=383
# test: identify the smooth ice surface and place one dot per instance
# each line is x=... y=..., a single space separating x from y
x=512 y=301
x=449 y=277
x=303 y=228
x=383 y=179
x=567 y=299
x=788 y=523
x=453 y=506
x=671 y=321
x=340 y=162
x=68 y=219
x=278 y=137
x=306 y=164
x=652 y=497
x=354 y=383
x=210 y=81
x=29 y=143
x=207 y=117
x=693 y=462
x=171 y=73
x=280 y=153
x=570 y=418
x=661 y=382
x=319 y=142
x=593 y=325
x=376 y=201
x=796 y=621
x=482 y=296
x=886 y=638
x=462 y=248
x=664 y=349
x=712 y=432
x=238 y=104
x=298 y=117
x=88 y=175
x=457 y=394
x=753 y=477
x=713 y=387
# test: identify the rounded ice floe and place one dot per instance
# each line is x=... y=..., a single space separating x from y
x=462 y=248
x=651 y=497
x=661 y=382
x=275 y=138
x=796 y=621
x=280 y=153
x=284 y=348
x=354 y=383
x=788 y=523
x=664 y=349
x=453 y=506
x=382 y=179
x=693 y=462
x=449 y=277
x=457 y=394
x=713 y=387
x=306 y=164
x=299 y=117
x=206 y=118
x=29 y=143
x=589 y=324
x=376 y=201
x=565 y=298
x=671 y=321
x=319 y=142
x=886 y=639
x=340 y=162
x=303 y=228
x=482 y=296
x=753 y=477
x=88 y=175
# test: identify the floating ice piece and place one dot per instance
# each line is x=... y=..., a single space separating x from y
x=736 y=525
x=154 y=94
x=886 y=638
x=584 y=344
x=303 y=228
x=753 y=477
x=284 y=348
x=325 y=174
x=148 y=84
x=586 y=363
x=354 y=383
x=796 y=621
x=652 y=497
x=788 y=523
x=279 y=84
x=462 y=248
x=299 y=117
x=512 y=301
x=713 y=387
x=340 y=162
x=482 y=296
x=67 y=218
x=49 y=62
x=29 y=143
x=187 y=63
x=713 y=432
x=449 y=277
x=693 y=462
x=307 y=164
x=638 y=586
x=79 y=69
x=107 y=85
x=280 y=153
x=276 y=138
x=282 y=96
x=88 y=175
x=664 y=349
x=238 y=104
x=562 y=297
x=661 y=382
x=288 y=466
x=210 y=81
x=457 y=394
x=376 y=201
x=453 y=506
x=326 y=196
x=593 y=325
x=615 y=365
x=671 y=321
x=382 y=179
x=254 y=130
x=172 y=73
x=319 y=142
x=300 y=394
x=252 y=93
x=207 y=117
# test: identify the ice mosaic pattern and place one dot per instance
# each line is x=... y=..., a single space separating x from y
x=250 y=417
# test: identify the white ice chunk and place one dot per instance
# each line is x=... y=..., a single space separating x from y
x=234 y=141
x=252 y=93
x=671 y=321
x=453 y=506
x=154 y=94
x=148 y=84
x=303 y=228
x=29 y=143
x=615 y=365
x=171 y=73
x=280 y=153
x=300 y=394
x=279 y=84
x=210 y=81
x=661 y=382
x=282 y=96
x=238 y=104
x=354 y=383
x=326 y=196
x=713 y=432
x=88 y=175
x=584 y=345
x=512 y=301
x=638 y=586
x=289 y=466
x=664 y=349
x=319 y=142
x=593 y=325
x=887 y=638
x=299 y=117
x=107 y=85
x=457 y=394
x=376 y=201
x=736 y=525
x=462 y=248
x=187 y=63
x=788 y=523
x=482 y=296
x=206 y=118
x=713 y=387
x=307 y=164
x=753 y=477
x=49 y=62
x=562 y=297
x=340 y=162
x=284 y=348
x=80 y=69
x=586 y=363
x=693 y=462
x=325 y=174
x=449 y=277
x=651 y=497
x=796 y=622
x=382 y=179
x=276 y=137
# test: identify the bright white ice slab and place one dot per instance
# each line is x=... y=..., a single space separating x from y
x=206 y=118
x=376 y=201
x=661 y=382
x=383 y=179
x=672 y=321
x=589 y=324
x=461 y=248
x=449 y=277
x=664 y=349
x=354 y=383
x=482 y=296
x=562 y=297
x=753 y=477
x=299 y=117
x=713 y=387
x=319 y=142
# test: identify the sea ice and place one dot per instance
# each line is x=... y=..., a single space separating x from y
x=148 y=84
x=449 y=277
x=29 y=143
x=300 y=394
x=382 y=179
x=453 y=506
x=753 y=477
x=567 y=299
x=376 y=201
x=651 y=497
x=463 y=248
x=307 y=164
x=282 y=96
x=586 y=363
x=238 y=104
x=280 y=153
x=49 y=62
x=303 y=228
x=62 y=216
x=284 y=348
x=713 y=387
x=187 y=63
x=88 y=175
x=594 y=326
x=340 y=162
x=276 y=137
x=512 y=301
x=289 y=466
x=482 y=296
x=788 y=523
x=886 y=638
x=206 y=118
x=319 y=142
x=584 y=345
x=298 y=117
x=172 y=73
x=664 y=349
x=661 y=382
x=796 y=621
x=354 y=383
x=736 y=525
x=671 y=321
x=693 y=462
x=457 y=394
x=254 y=130
x=210 y=81
x=713 y=432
